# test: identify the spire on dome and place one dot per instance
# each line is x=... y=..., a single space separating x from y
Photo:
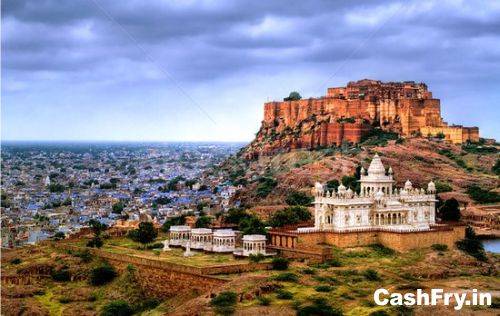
x=408 y=185
x=376 y=167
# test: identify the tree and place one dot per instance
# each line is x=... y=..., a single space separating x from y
x=118 y=208
x=289 y=216
x=203 y=221
x=481 y=195
x=117 y=308
x=450 y=211
x=163 y=200
x=224 y=302
x=145 y=234
x=332 y=184
x=97 y=227
x=180 y=220
x=102 y=274
x=252 y=225
x=280 y=263
x=496 y=167
x=472 y=245
x=56 y=188
x=293 y=96
x=350 y=182
x=443 y=187
x=59 y=236
x=235 y=215
x=265 y=186
x=299 y=198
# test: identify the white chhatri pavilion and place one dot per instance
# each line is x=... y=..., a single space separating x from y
x=179 y=235
x=201 y=238
x=254 y=244
x=224 y=240
x=377 y=206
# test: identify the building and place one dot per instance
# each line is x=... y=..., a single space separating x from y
x=254 y=245
x=179 y=235
x=351 y=113
x=201 y=238
x=398 y=218
x=378 y=205
x=224 y=240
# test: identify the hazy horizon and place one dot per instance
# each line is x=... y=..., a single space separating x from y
x=193 y=71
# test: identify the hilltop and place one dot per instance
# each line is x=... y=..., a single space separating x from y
x=265 y=182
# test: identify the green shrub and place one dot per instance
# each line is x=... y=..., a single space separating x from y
x=472 y=245
x=117 y=308
x=379 y=313
x=439 y=247
x=15 y=261
x=319 y=307
x=180 y=220
x=481 y=195
x=256 y=258
x=144 y=305
x=156 y=245
x=64 y=300
x=289 y=216
x=225 y=302
x=265 y=186
x=286 y=277
x=284 y=295
x=264 y=300
x=62 y=275
x=450 y=210
x=293 y=96
x=85 y=255
x=382 y=250
x=371 y=275
x=443 y=187
x=102 y=274
x=280 y=263
x=92 y=297
x=334 y=262
x=323 y=288
x=145 y=234
x=299 y=198
x=496 y=167
x=308 y=271
x=95 y=242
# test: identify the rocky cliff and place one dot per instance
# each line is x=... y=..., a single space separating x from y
x=349 y=114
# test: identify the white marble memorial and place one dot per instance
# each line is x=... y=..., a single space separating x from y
x=201 y=238
x=378 y=206
x=179 y=235
x=254 y=244
x=224 y=240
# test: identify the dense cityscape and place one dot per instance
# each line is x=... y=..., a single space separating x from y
x=51 y=188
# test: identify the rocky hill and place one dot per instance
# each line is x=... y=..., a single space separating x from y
x=347 y=115
x=265 y=182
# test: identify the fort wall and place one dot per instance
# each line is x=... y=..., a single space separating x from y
x=303 y=244
x=346 y=114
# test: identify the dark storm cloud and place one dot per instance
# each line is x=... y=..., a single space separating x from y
x=197 y=40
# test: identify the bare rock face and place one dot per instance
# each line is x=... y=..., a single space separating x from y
x=347 y=114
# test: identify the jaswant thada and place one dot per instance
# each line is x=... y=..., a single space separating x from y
x=398 y=218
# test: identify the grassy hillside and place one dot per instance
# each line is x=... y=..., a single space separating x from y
x=267 y=180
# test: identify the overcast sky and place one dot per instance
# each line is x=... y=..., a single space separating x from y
x=201 y=70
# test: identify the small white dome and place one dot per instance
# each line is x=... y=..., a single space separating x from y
x=431 y=187
x=390 y=170
x=379 y=195
x=341 y=188
x=408 y=185
x=318 y=186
